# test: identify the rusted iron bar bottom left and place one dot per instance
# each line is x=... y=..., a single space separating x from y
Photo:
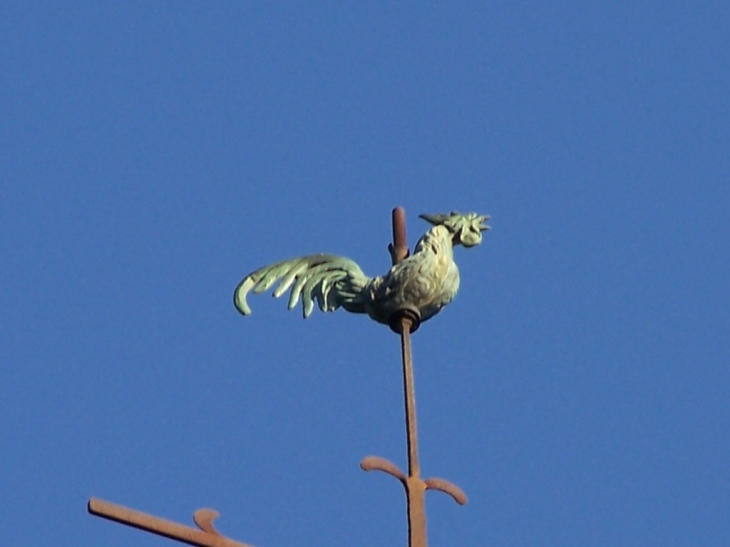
x=207 y=536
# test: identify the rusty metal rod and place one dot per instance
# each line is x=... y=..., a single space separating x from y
x=409 y=392
x=207 y=536
x=414 y=485
x=399 y=249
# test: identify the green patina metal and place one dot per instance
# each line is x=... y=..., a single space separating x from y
x=424 y=282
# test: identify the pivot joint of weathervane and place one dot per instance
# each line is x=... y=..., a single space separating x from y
x=411 y=315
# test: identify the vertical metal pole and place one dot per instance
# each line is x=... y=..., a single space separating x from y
x=415 y=487
x=399 y=248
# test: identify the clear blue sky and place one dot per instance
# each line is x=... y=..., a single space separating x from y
x=153 y=153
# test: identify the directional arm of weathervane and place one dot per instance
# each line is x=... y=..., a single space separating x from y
x=207 y=536
x=376 y=463
x=447 y=487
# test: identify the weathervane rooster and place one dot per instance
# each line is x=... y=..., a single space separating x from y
x=424 y=282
